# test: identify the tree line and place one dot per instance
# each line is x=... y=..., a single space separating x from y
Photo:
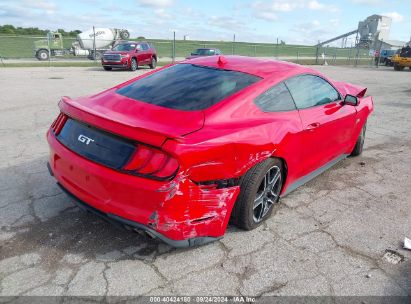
x=9 y=29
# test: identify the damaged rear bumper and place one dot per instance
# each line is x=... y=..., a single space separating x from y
x=179 y=212
x=130 y=225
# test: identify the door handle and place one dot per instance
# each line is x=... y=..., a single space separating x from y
x=313 y=126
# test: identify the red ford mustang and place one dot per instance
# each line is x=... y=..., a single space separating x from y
x=181 y=150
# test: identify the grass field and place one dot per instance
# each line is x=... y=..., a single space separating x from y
x=23 y=47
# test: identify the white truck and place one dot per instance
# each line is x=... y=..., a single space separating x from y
x=92 y=43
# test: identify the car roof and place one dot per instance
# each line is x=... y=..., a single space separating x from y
x=264 y=68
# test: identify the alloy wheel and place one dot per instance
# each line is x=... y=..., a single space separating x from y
x=268 y=193
x=133 y=65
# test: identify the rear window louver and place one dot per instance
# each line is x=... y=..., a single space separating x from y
x=58 y=124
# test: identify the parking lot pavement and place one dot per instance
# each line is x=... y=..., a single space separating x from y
x=341 y=234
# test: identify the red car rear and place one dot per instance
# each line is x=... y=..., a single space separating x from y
x=181 y=150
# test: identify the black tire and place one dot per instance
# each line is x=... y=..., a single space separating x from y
x=153 y=63
x=251 y=188
x=107 y=68
x=95 y=56
x=133 y=64
x=397 y=67
x=42 y=55
x=360 y=142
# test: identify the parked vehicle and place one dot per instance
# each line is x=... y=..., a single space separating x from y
x=204 y=52
x=385 y=57
x=130 y=55
x=85 y=45
x=402 y=59
x=180 y=151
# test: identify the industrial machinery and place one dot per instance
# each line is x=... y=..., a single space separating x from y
x=92 y=43
x=402 y=59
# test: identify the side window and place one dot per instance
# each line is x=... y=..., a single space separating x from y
x=276 y=99
x=139 y=47
x=310 y=91
x=145 y=46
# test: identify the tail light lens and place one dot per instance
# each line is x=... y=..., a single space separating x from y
x=152 y=163
x=58 y=124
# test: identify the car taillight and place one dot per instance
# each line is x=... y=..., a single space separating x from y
x=58 y=124
x=152 y=163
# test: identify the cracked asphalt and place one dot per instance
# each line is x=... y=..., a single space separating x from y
x=329 y=237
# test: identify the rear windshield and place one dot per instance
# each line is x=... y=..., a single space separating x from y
x=204 y=52
x=187 y=87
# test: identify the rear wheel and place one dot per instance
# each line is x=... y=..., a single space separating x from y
x=134 y=64
x=360 y=142
x=153 y=63
x=107 y=68
x=259 y=194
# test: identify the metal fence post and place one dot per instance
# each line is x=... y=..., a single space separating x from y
x=356 y=55
x=234 y=44
x=335 y=56
x=48 y=47
x=298 y=57
x=174 y=46
x=316 y=52
x=94 y=45
x=276 y=49
x=379 y=54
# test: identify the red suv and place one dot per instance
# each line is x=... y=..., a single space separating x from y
x=130 y=55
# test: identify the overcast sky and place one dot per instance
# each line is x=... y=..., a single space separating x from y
x=295 y=21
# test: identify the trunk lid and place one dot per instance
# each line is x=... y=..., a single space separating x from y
x=349 y=88
x=132 y=119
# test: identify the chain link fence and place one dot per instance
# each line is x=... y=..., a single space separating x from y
x=15 y=50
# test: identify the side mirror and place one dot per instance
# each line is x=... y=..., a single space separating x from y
x=351 y=100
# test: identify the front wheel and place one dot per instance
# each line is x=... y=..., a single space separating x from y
x=259 y=193
x=360 y=142
x=43 y=55
x=153 y=63
x=397 y=67
x=133 y=65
